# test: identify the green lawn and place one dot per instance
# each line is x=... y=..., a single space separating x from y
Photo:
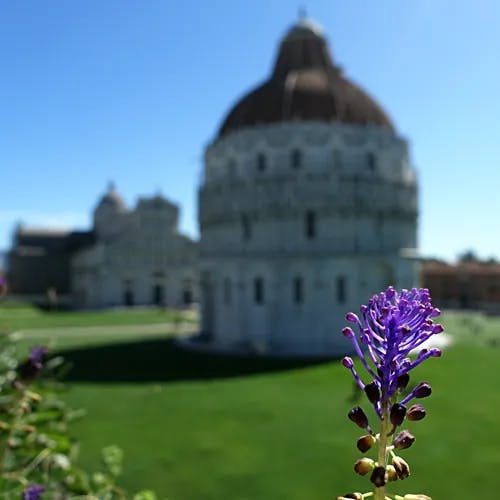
x=17 y=317
x=195 y=427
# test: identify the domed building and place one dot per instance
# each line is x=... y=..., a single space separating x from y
x=308 y=206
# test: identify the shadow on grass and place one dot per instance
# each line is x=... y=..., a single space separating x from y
x=164 y=360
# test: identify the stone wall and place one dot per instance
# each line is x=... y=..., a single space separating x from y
x=300 y=223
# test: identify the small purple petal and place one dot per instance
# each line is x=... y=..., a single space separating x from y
x=33 y=491
x=37 y=354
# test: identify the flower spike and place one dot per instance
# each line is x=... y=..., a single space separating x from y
x=385 y=336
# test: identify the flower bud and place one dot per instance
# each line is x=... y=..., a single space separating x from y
x=401 y=466
x=347 y=362
x=365 y=443
x=397 y=415
x=347 y=496
x=363 y=466
x=416 y=412
x=13 y=443
x=422 y=390
x=436 y=352
x=379 y=476
x=348 y=333
x=25 y=407
x=403 y=440
x=372 y=392
x=391 y=473
x=402 y=380
x=357 y=415
x=351 y=317
x=435 y=312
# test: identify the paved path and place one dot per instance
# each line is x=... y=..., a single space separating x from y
x=181 y=328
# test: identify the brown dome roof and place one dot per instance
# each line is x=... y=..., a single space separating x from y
x=305 y=85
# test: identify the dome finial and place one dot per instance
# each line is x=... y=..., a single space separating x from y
x=302 y=13
x=111 y=186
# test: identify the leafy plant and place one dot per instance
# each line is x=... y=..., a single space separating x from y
x=37 y=454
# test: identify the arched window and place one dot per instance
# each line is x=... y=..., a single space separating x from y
x=128 y=293
x=246 y=227
x=341 y=289
x=371 y=162
x=157 y=294
x=310 y=224
x=187 y=292
x=227 y=293
x=296 y=158
x=298 y=290
x=258 y=290
x=261 y=162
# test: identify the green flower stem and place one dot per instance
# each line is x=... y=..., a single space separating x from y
x=36 y=462
x=382 y=450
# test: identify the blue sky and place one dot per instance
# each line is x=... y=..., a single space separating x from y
x=132 y=91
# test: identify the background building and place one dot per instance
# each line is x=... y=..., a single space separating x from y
x=40 y=260
x=308 y=206
x=465 y=285
x=139 y=257
x=130 y=257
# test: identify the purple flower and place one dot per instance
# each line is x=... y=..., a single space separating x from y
x=37 y=354
x=33 y=491
x=390 y=327
x=34 y=364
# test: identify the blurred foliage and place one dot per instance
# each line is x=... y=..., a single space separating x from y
x=36 y=448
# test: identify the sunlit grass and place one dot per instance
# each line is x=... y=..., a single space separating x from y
x=27 y=317
x=285 y=435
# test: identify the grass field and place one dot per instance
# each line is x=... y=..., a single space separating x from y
x=196 y=427
x=16 y=317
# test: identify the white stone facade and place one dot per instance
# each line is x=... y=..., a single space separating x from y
x=300 y=223
x=139 y=257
